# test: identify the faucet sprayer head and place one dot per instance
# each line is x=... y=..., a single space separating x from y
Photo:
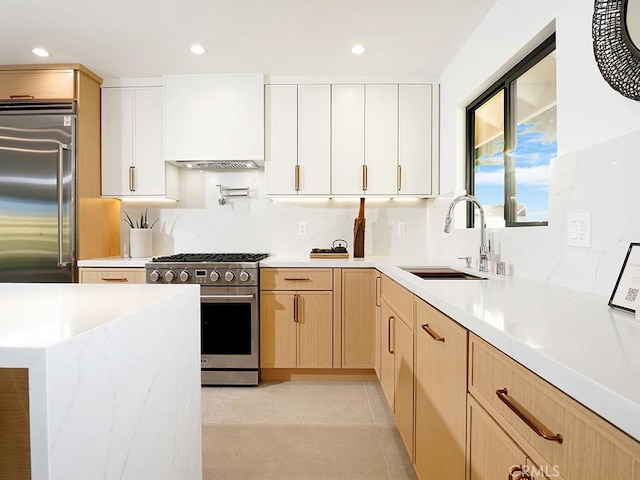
x=447 y=224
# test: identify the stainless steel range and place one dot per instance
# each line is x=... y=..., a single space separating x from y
x=229 y=292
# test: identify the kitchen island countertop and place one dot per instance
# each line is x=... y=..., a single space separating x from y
x=572 y=339
x=113 y=378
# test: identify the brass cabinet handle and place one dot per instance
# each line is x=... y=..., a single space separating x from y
x=389 y=335
x=516 y=473
x=297 y=178
x=532 y=422
x=295 y=307
x=293 y=279
x=365 y=177
x=115 y=279
x=432 y=333
x=378 y=281
x=399 y=177
x=21 y=97
x=132 y=178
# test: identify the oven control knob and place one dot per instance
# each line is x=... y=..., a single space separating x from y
x=185 y=276
x=170 y=276
x=244 y=276
x=214 y=276
x=229 y=276
x=155 y=276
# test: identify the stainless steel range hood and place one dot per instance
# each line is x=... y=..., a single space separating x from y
x=219 y=165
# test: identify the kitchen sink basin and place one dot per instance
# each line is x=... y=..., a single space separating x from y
x=441 y=273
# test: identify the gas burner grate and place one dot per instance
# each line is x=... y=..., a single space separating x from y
x=212 y=257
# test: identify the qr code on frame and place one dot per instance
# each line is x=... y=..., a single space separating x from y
x=632 y=294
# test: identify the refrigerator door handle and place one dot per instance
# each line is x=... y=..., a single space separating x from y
x=59 y=188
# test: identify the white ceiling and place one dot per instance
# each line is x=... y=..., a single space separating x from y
x=142 y=38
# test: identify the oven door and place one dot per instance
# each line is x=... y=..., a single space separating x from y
x=229 y=327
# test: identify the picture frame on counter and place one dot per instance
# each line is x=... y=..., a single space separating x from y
x=626 y=293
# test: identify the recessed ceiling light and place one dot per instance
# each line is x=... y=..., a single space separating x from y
x=41 y=52
x=197 y=49
x=358 y=49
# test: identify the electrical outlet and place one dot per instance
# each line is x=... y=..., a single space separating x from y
x=579 y=229
x=402 y=229
x=302 y=228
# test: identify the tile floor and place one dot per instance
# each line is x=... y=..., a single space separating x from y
x=301 y=431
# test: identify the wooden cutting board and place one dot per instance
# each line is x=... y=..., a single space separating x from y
x=329 y=255
x=358 y=232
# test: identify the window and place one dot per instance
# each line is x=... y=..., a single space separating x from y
x=511 y=139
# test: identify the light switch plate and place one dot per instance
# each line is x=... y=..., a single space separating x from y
x=579 y=230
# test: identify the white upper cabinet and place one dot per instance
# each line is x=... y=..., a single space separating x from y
x=352 y=140
x=132 y=160
x=381 y=140
x=281 y=138
x=416 y=160
x=214 y=117
x=347 y=140
x=314 y=139
x=298 y=139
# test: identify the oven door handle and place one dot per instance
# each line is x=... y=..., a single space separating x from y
x=223 y=297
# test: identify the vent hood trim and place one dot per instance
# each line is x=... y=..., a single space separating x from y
x=218 y=165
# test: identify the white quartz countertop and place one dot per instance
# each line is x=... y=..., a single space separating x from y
x=43 y=315
x=114 y=262
x=572 y=339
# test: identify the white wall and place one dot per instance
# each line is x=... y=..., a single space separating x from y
x=257 y=224
x=595 y=127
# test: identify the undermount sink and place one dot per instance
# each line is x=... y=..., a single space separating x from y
x=441 y=273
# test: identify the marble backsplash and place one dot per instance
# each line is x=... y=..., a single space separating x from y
x=198 y=223
x=602 y=180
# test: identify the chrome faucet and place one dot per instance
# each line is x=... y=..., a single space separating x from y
x=485 y=246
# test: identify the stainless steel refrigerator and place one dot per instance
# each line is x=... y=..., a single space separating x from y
x=37 y=191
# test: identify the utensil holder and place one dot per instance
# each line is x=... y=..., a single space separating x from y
x=140 y=242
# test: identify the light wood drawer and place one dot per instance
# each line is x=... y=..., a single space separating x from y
x=591 y=448
x=38 y=84
x=112 y=275
x=296 y=279
x=15 y=446
x=398 y=298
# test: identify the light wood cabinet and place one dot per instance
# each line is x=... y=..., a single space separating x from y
x=25 y=83
x=378 y=326
x=296 y=318
x=492 y=453
x=387 y=369
x=578 y=443
x=403 y=402
x=132 y=158
x=296 y=279
x=214 y=117
x=398 y=297
x=112 y=275
x=298 y=139
x=296 y=329
x=358 y=317
x=397 y=356
x=15 y=430
x=441 y=395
